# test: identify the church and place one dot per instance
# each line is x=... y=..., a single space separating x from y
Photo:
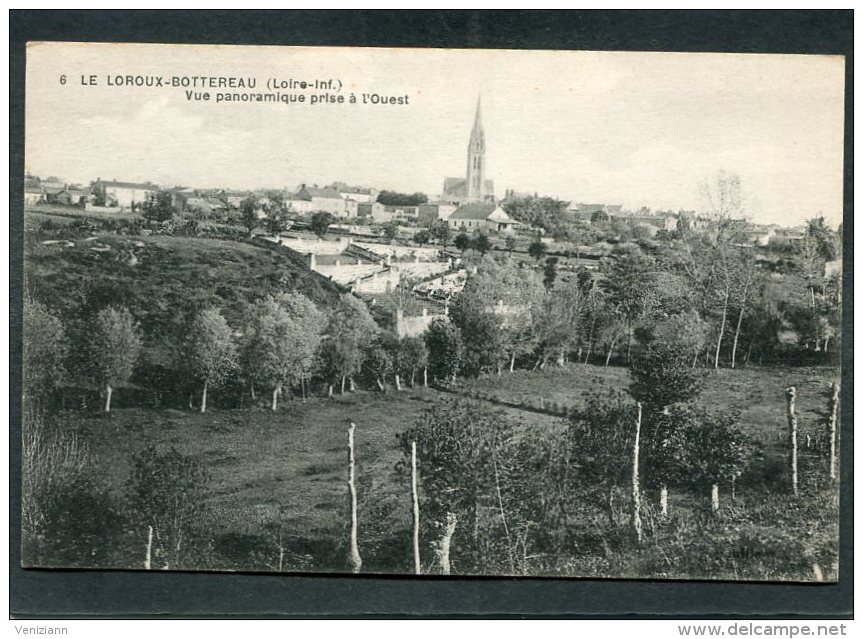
x=474 y=187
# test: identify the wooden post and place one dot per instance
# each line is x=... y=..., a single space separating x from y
x=714 y=498
x=636 y=489
x=834 y=417
x=416 y=509
x=791 y=395
x=355 y=561
x=148 y=557
x=663 y=500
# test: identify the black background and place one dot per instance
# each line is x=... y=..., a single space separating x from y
x=39 y=593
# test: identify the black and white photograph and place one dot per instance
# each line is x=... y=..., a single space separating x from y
x=424 y=312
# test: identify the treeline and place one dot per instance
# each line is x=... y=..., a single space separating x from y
x=713 y=298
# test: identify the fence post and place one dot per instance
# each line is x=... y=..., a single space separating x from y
x=355 y=561
x=416 y=509
x=636 y=489
x=147 y=559
x=791 y=395
x=834 y=416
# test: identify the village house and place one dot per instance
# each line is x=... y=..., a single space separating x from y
x=482 y=217
x=327 y=200
x=358 y=194
x=126 y=195
x=296 y=204
x=32 y=195
x=431 y=212
x=374 y=211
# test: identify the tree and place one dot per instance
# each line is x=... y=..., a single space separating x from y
x=390 y=229
x=377 y=363
x=167 y=493
x=394 y=198
x=157 y=207
x=557 y=320
x=249 y=213
x=45 y=349
x=549 y=272
x=440 y=231
x=665 y=451
x=422 y=236
x=462 y=444
x=717 y=450
x=536 y=249
x=445 y=348
x=351 y=327
x=321 y=222
x=463 y=242
x=599 y=216
x=115 y=348
x=284 y=334
x=211 y=351
x=540 y=212
x=662 y=375
x=412 y=357
x=629 y=285
x=509 y=243
x=481 y=244
x=276 y=222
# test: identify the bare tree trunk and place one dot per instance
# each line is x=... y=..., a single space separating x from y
x=252 y=386
x=354 y=559
x=191 y=401
x=425 y=375
x=204 y=397
x=663 y=500
x=714 y=498
x=351 y=385
x=636 y=489
x=791 y=395
x=343 y=384
x=512 y=362
x=610 y=350
x=379 y=383
x=722 y=326
x=834 y=416
x=443 y=546
x=503 y=514
x=398 y=382
x=413 y=377
x=275 y=403
x=330 y=391
x=149 y=555
x=590 y=341
x=415 y=501
x=611 y=518
x=748 y=354
x=303 y=387
x=108 y=392
x=737 y=335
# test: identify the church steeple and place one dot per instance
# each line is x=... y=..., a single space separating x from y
x=475 y=179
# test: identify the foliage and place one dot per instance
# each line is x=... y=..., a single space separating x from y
x=423 y=236
x=390 y=230
x=45 y=349
x=662 y=374
x=549 y=272
x=249 y=213
x=210 y=347
x=463 y=242
x=440 y=231
x=166 y=490
x=115 y=346
x=350 y=328
x=717 y=450
x=536 y=249
x=394 y=198
x=157 y=207
x=539 y=212
x=320 y=222
x=445 y=347
x=412 y=357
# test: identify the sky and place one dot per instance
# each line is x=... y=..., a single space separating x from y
x=637 y=129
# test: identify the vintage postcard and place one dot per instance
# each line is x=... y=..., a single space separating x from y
x=430 y=311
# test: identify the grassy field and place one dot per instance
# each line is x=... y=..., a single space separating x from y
x=279 y=478
x=284 y=470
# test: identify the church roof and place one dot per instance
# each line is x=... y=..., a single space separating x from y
x=456 y=187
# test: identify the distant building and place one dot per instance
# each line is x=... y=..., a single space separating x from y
x=126 y=195
x=474 y=187
x=481 y=217
x=431 y=212
x=373 y=211
x=296 y=204
x=358 y=194
x=328 y=200
x=32 y=195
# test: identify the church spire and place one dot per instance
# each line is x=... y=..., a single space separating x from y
x=475 y=178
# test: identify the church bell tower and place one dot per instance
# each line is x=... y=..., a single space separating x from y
x=475 y=184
